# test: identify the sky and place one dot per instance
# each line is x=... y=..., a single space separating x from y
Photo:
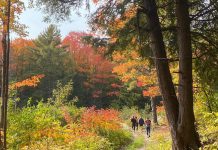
x=33 y=18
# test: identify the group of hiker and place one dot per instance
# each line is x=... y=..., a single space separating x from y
x=141 y=122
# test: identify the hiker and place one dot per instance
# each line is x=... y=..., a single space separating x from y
x=148 y=126
x=141 y=122
x=133 y=120
x=137 y=123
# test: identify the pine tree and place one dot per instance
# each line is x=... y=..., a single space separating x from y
x=50 y=58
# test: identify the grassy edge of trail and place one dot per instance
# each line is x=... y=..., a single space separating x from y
x=138 y=138
x=160 y=138
x=137 y=144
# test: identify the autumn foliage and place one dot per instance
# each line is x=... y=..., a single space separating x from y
x=131 y=67
x=90 y=62
x=30 y=82
x=66 y=127
x=103 y=118
x=17 y=7
x=151 y=91
x=85 y=57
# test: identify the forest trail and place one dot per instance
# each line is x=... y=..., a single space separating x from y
x=159 y=132
x=136 y=135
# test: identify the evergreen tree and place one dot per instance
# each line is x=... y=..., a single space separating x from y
x=50 y=58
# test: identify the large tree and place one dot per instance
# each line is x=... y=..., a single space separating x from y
x=179 y=110
x=9 y=13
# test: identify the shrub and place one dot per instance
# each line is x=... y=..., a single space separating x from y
x=137 y=143
x=83 y=143
x=90 y=143
x=118 y=138
x=107 y=123
x=48 y=126
x=32 y=123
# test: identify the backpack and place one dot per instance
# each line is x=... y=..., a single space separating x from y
x=141 y=121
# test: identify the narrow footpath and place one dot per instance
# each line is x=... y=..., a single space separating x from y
x=160 y=138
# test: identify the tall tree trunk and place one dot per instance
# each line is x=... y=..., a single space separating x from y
x=5 y=74
x=170 y=101
x=174 y=109
x=154 y=110
x=186 y=126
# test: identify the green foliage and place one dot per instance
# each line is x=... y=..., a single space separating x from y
x=58 y=124
x=117 y=138
x=91 y=143
x=84 y=143
x=127 y=98
x=24 y=123
x=57 y=9
x=127 y=113
x=208 y=97
x=13 y=100
x=61 y=93
x=160 y=139
x=207 y=124
x=50 y=58
x=137 y=143
x=37 y=127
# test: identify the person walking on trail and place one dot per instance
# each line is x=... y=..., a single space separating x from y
x=137 y=123
x=141 y=122
x=133 y=120
x=148 y=126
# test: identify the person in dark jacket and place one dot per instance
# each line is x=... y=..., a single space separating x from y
x=133 y=120
x=137 y=123
x=141 y=123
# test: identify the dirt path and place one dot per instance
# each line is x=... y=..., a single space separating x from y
x=159 y=134
x=140 y=133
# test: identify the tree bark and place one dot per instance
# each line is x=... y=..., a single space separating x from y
x=5 y=75
x=186 y=122
x=183 y=136
x=170 y=101
x=154 y=110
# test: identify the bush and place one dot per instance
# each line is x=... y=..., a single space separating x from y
x=90 y=143
x=48 y=126
x=118 y=138
x=107 y=124
x=30 y=123
x=83 y=143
